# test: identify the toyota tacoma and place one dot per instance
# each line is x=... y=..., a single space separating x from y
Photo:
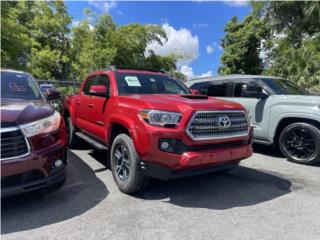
x=153 y=126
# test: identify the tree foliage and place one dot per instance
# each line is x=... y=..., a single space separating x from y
x=280 y=38
x=38 y=37
x=34 y=37
x=242 y=45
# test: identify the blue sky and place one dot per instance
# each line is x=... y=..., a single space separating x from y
x=194 y=28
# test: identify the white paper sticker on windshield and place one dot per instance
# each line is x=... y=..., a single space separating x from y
x=132 y=81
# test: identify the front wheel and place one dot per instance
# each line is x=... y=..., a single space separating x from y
x=125 y=166
x=300 y=143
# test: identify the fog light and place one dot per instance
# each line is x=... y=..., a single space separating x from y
x=164 y=145
x=58 y=163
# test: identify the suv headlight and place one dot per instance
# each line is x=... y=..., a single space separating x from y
x=45 y=125
x=160 y=118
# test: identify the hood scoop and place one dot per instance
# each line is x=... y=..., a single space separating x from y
x=189 y=96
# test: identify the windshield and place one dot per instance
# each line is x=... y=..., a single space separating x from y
x=283 y=87
x=19 y=86
x=140 y=83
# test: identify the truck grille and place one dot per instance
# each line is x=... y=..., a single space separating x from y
x=13 y=143
x=207 y=125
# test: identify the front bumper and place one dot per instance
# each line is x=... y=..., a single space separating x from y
x=197 y=162
x=34 y=171
x=56 y=178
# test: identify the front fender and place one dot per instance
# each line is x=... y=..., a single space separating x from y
x=137 y=131
x=275 y=120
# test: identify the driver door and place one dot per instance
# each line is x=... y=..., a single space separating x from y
x=255 y=105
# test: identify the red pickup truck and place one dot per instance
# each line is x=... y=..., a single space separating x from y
x=153 y=126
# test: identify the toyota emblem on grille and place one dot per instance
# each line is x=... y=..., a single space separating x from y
x=224 y=122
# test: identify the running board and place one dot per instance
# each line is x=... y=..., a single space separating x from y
x=91 y=141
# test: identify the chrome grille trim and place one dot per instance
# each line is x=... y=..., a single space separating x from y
x=13 y=129
x=207 y=128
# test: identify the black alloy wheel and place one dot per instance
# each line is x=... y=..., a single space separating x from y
x=300 y=143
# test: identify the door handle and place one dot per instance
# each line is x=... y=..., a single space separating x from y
x=90 y=105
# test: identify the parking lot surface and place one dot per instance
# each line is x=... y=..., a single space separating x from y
x=265 y=198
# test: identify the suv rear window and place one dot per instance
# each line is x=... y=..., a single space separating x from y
x=19 y=86
x=141 y=83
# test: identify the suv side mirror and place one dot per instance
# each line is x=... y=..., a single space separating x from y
x=99 y=90
x=194 y=91
x=52 y=94
x=253 y=92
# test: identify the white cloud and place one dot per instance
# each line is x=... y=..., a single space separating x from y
x=106 y=6
x=181 y=43
x=210 y=49
x=188 y=71
x=236 y=3
x=220 y=47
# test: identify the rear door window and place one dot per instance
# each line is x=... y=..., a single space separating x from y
x=218 y=89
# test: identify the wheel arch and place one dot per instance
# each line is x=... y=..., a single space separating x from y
x=289 y=120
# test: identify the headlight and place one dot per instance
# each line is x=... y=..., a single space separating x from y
x=44 y=125
x=160 y=118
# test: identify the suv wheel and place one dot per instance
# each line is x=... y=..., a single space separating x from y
x=300 y=143
x=73 y=140
x=125 y=165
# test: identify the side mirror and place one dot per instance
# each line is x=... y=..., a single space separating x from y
x=52 y=94
x=253 y=92
x=194 y=91
x=99 y=90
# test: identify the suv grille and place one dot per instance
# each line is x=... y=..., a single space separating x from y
x=13 y=144
x=206 y=125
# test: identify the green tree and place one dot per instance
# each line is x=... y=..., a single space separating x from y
x=100 y=43
x=296 y=54
x=34 y=36
x=14 y=35
x=242 y=45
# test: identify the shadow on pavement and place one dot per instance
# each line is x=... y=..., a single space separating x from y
x=241 y=187
x=81 y=192
x=267 y=150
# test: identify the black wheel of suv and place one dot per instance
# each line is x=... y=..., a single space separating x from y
x=125 y=165
x=300 y=143
x=73 y=140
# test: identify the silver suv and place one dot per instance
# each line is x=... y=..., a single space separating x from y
x=281 y=113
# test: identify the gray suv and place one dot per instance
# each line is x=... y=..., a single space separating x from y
x=281 y=113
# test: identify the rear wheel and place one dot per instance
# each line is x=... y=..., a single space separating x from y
x=300 y=143
x=125 y=165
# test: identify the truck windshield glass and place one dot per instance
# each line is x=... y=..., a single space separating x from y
x=283 y=87
x=138 y=83
x=19 y=86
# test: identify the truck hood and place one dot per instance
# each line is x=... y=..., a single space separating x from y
x=300 y=100
x=182 y=103
x=19 y=111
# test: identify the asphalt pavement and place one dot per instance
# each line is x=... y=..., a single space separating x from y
x=266 y=197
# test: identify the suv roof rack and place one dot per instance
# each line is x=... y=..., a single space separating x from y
x=115 y=68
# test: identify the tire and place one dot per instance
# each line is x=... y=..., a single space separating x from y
x=73 y=140
x=300 y=143
x=125 y=165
